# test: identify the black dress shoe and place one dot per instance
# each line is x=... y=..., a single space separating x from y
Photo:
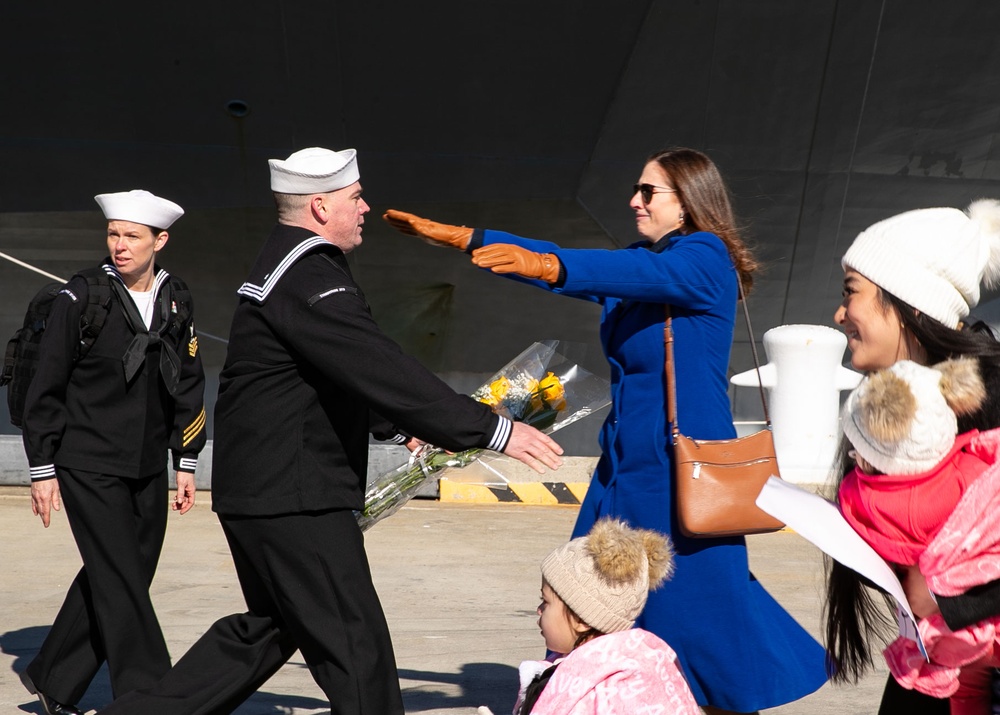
x=49 y=706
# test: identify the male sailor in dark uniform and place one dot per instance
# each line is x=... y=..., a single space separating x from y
x=307 y=377
x=96 y=432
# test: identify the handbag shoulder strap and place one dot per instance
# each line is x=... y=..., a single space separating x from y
x=668 y=348
x=668 y=344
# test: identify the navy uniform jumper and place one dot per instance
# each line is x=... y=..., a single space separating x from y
x=308 y=376
x=106 y=438
x=739 y=649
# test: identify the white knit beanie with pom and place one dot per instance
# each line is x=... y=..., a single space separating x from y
x=933 y=259
x=606 y=576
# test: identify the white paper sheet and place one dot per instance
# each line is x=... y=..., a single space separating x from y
x=820 y=522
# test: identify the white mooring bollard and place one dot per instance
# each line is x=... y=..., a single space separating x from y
x=804 y=378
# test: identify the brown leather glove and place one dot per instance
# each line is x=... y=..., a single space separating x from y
x=432 y=232
x=507 y=258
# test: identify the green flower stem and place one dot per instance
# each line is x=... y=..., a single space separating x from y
x=387 y=494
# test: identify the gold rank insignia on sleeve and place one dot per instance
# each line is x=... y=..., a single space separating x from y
x=193 y=346
x=193 y=429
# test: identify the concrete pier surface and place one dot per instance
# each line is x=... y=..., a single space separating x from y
x=459 y=584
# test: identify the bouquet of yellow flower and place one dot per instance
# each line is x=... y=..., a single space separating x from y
x=539 y=387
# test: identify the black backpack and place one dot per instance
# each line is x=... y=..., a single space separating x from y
x=21 y=359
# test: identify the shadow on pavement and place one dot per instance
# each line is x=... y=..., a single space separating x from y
x=491 y=684
x=24 y=643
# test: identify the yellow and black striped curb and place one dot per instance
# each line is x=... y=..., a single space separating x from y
x=538 y=493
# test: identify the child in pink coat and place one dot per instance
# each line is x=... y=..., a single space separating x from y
x=593 y=588
x=926 y=500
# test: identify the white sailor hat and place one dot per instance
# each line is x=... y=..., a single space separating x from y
x=314 y=171
x=139 y=206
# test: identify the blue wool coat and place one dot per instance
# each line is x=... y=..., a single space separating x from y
x=739 y=649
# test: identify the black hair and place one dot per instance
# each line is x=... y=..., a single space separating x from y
x=854 y=613
x=586 y=635
x=941 y=342
x=975 y=339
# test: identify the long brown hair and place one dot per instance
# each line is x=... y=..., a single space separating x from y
x=707 y=206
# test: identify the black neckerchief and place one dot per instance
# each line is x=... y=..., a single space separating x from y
x=144 y=339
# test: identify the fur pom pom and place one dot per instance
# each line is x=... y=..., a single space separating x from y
x=617 y=550
x=621 y=552
x=962 y=385
x=660 y=553
x=986 y=212
x=887 y=408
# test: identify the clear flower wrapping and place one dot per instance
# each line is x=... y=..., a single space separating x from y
x=539 y=387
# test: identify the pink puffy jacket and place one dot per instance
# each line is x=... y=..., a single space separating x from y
x=964 y=553
x=615 y=674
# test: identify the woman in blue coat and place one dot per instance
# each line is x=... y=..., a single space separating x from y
x=740 y=650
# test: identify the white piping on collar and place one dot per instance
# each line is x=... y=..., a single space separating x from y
x=260 y=293
x=159 y=279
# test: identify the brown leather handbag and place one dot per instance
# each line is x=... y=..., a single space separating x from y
x=718 y=480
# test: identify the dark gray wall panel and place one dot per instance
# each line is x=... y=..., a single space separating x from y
x=931 y=107
x=529 y=116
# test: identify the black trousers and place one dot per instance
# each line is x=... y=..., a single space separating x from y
x=118 y=525
x=897 y=700
x=308 y=586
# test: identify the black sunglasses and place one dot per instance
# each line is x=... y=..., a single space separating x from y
x=647 y=191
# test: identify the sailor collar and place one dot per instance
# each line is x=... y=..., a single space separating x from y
x=286 y=245
x=144 y=338
x=159 y=277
